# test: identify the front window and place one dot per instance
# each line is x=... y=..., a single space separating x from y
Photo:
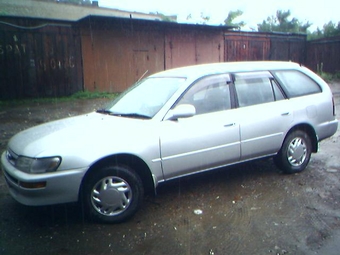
x=210 y=94
x=146 y=98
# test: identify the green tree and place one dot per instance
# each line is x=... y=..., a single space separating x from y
x=203 y=18
x=232 y=15
x=166 y=18
x=282 y=23
x=329 y=29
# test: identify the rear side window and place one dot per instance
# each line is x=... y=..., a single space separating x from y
x=296 y=84
x=256 y=88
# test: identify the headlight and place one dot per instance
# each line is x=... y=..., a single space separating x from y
x=37 y=165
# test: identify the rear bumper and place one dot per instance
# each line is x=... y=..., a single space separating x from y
x=327 y=129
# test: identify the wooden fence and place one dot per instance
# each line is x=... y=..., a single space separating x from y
x=324 y=54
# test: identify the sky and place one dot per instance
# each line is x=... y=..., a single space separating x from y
x=254 y=12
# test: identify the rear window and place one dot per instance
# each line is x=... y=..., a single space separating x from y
x=296 y=84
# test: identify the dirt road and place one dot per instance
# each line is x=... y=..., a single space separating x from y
x=246 y=209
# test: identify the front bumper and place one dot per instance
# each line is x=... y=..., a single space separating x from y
x=42 y=189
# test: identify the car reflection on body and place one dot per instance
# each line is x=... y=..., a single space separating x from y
x=172 y=124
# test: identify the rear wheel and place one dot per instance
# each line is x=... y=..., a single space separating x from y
x=112 y=194
x=295 y=152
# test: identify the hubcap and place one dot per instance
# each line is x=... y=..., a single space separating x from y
x=111 y=196
x=297 y=152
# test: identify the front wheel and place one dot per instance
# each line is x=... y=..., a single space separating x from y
x=112 y=194
x=295 y=152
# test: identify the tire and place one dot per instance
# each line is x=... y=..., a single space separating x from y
x=112 y=194
x=295 y=152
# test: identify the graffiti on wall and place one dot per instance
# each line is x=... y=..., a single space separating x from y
x=39 y=64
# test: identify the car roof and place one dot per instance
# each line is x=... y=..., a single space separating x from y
x=196 y=71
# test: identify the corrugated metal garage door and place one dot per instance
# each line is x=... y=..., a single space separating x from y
x=41 y=62
x=246 y=47
x=190 y=47
x=243 y=46
x=117 y=53
x=288 y=48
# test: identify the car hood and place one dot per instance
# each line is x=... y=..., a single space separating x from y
x=86 y=135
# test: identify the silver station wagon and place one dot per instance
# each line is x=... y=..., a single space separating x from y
x=172 y=124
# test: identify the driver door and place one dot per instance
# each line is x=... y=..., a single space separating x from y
x=207 y=140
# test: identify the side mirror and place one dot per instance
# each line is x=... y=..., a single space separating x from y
x=181 y=111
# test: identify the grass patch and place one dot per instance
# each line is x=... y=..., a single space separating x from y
x=326 y=76
x=82 y=95
x=93 y=95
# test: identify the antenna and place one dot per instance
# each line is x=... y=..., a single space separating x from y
x=143 y=75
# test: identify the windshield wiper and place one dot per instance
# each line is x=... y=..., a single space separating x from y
x=127 y=115
x=134 y=115
x=104 y=111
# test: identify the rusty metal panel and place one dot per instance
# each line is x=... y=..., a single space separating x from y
x=192 y=46
x=297 y=51
x=39 y=62
x=209 y=46
x=323 y=54
x=11 y=65
x=246 y=46
x=242 y=46
x=180 y=48
x=288 y=48
x=279 y=49
x=236 y=50
x=259 y=49
x=118 y=53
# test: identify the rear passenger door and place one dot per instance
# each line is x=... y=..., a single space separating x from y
x=264 y=114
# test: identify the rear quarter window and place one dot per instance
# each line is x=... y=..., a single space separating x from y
x=295 y=83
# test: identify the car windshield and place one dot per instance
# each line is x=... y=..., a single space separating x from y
x=144 y=99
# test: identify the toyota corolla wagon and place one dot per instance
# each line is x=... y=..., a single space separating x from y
x=172 y=124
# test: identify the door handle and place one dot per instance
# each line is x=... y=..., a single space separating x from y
x=285 y=114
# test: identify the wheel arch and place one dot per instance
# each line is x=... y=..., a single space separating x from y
x=310 y=131
x=131 y=161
